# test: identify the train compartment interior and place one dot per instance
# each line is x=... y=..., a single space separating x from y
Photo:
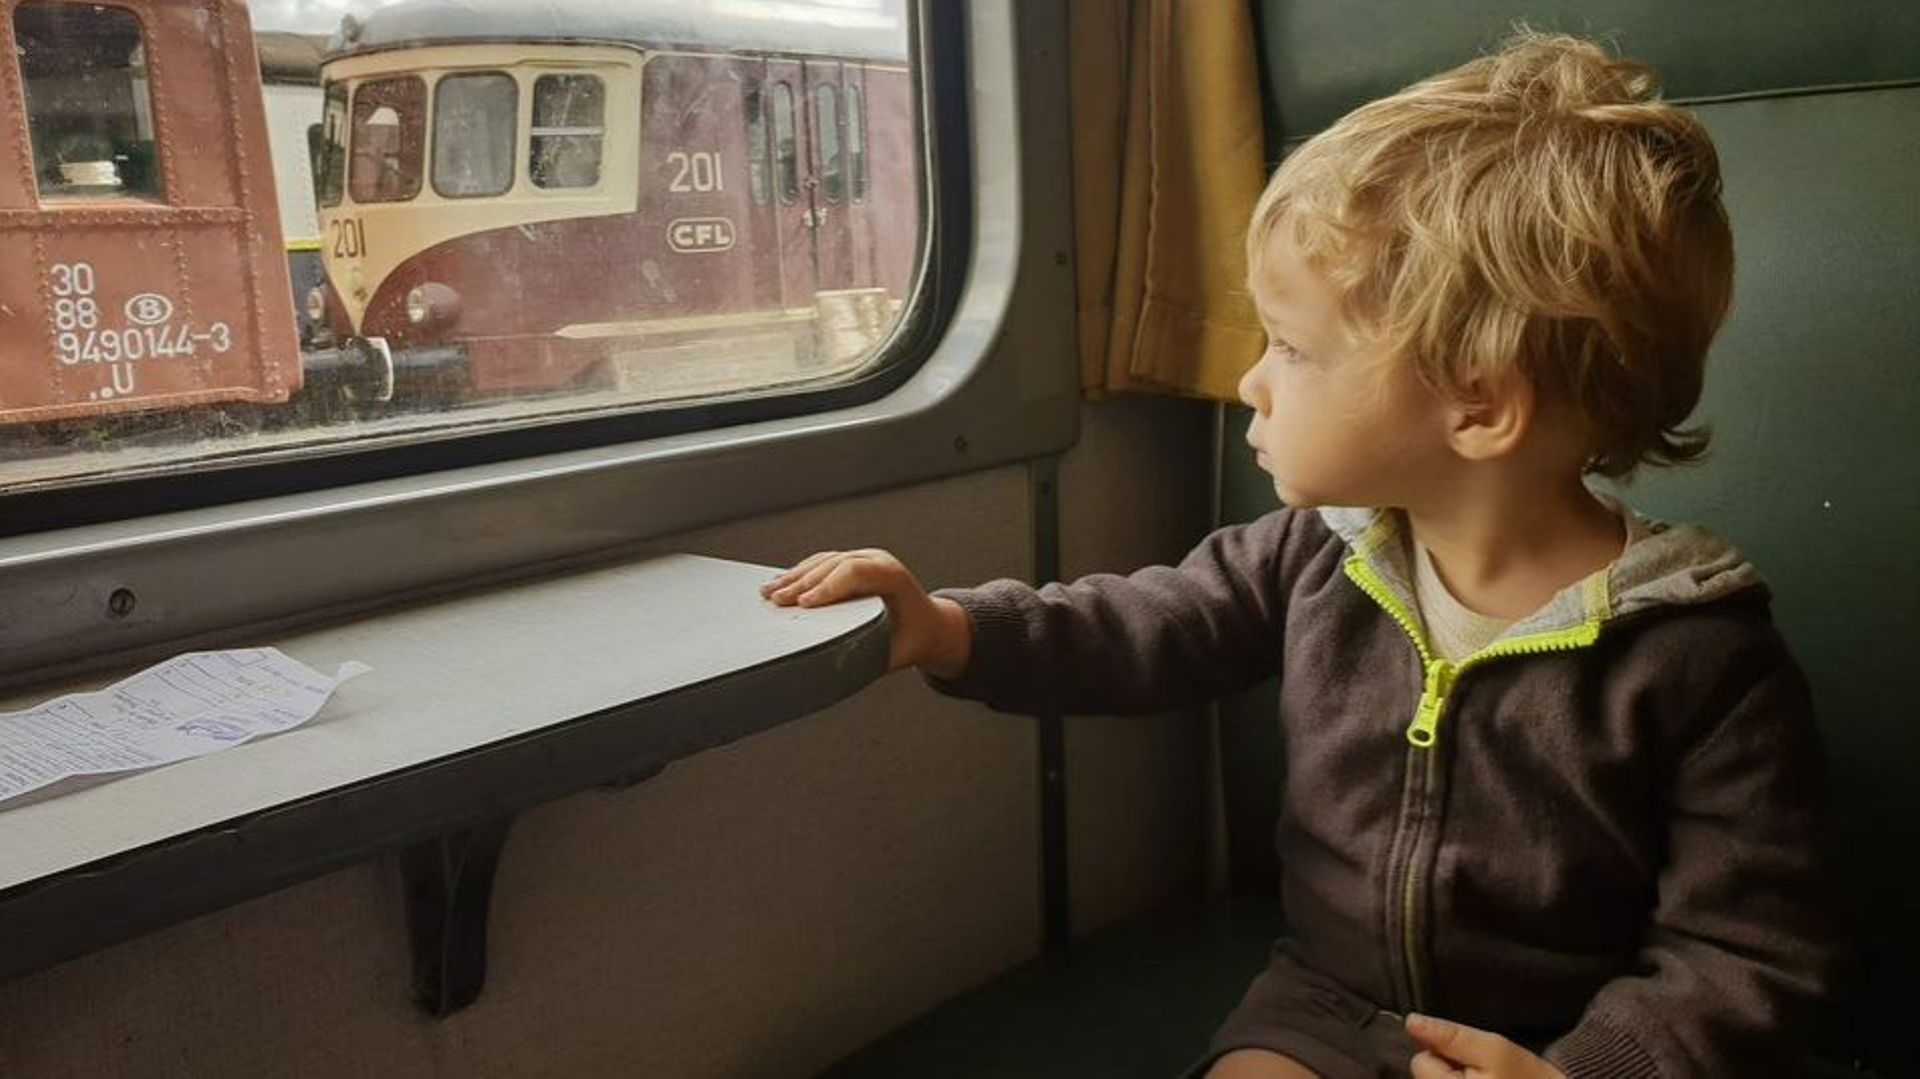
x=505 y=348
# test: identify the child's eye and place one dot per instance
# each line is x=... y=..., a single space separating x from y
x=1286 y=352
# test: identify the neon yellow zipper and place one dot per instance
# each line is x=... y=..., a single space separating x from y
x=1442 y=676
x=1438 y=684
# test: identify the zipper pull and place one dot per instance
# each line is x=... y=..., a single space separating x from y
x=1433 y=697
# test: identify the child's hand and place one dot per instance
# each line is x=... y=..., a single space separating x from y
x=933 y=634
x=1453 y=1050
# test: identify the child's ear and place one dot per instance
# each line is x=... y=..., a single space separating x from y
x=1493 y=419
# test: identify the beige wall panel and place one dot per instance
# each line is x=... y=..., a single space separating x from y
x=311 y=980
x=763 y=909
x=956 y=532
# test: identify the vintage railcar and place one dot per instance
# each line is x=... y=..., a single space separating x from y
x=141 y=261
x=513 y=202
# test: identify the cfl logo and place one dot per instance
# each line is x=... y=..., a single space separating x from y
x=690 y=234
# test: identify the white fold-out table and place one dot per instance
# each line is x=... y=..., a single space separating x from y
x=477 y=707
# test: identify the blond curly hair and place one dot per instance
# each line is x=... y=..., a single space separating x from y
x=1535 y=212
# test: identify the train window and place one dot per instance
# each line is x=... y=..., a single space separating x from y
x=857 y=140
x=89 y=107
x=474 y=117
x=330 y=171
x=534 y=228
x=833 y=165
x=753 y=105
x=389 y=136
x=786 y=145
x=569 y=117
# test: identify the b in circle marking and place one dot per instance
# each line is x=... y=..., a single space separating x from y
x=149 y=309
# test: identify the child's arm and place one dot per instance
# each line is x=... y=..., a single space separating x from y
x=1154 y=640
x=1742 y=941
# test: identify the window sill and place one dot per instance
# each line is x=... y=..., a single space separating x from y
x=477 y=707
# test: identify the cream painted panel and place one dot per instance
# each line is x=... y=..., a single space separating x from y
x=311 y=980
x=765 y=910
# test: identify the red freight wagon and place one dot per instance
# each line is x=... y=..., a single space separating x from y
x=140 y=249
x=523 y=197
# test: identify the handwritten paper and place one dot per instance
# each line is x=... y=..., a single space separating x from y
x=187 y=706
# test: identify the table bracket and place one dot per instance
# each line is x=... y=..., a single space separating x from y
x=449 y=887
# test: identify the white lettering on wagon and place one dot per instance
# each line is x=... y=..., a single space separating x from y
x=689 y=235
x=79 y=338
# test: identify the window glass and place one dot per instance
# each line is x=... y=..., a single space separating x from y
x=389 y=130
x=537 y=222
x=826 y=133
x=754 y=108
x=785 y=145
x=89 y=104
x=330 y=167
x=569 y=117
x=857 y=139
x=474 y=117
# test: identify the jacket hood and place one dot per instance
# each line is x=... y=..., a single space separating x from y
x=1663 y=565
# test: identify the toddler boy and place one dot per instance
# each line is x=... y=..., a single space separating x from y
x=1552 y=780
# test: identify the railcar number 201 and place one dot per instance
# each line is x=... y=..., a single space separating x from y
x=698 y=172
x=349 y=238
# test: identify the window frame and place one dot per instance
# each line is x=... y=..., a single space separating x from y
x=786 y=165
x=987 y=378
x=758 y=134
x=535 y=133
x=856 y=105
x=56 y=200
x=330 y=184
x=432 y=153
x=827 y=127
x=425 y=156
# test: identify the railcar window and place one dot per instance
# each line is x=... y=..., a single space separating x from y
x=857 y=140
x=474 y=117
x=833 y=166
x=389 y=133
x=753 y=105
x=330 y=172
x=786 y=145
x=89 y=106
x=569 y=114
x=528 y=217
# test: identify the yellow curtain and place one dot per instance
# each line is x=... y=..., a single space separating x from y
x=1168 y=160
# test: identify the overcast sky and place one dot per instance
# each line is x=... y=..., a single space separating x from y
x=323 y=16
x=305 y=16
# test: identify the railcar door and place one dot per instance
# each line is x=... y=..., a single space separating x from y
x=760 y=220
x=829 y=188
x=785 y=90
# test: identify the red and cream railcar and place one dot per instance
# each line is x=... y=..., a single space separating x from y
x=542 y=196
x=140 y=249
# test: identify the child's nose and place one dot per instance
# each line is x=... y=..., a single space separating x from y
x=1249 y=387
